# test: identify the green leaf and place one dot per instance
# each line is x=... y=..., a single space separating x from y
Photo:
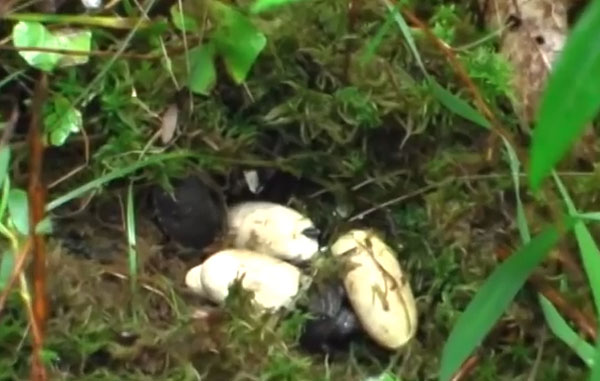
x=73 y=39
x=203 y=75
x=33 y=34
x=266 y=5
x=44 y=226
x=182 y=21
x=561 y=329
x=61 y=119
x=236 y=40
x=30 y=34
x=571 y=99
x=18 y=207
x=6 y=268
x=595 y=373
x=4 y=162
x=493 y=298
x=457 y=105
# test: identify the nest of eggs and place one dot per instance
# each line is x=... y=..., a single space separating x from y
x=268 y=249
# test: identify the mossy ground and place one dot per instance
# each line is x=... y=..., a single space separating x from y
x=353 y=136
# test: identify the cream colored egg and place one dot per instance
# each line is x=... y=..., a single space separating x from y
x=274 y=282
x=378 y=291
x=273 y=229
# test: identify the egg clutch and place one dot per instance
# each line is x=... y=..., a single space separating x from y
x=269 y=243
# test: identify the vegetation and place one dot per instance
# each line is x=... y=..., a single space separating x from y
x=365 y=113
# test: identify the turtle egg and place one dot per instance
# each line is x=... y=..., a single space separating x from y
x=378 y=290
x=273 y=282
x=273 y=229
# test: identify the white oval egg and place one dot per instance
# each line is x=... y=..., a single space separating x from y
x=378 y=291
x=273 y=229
x=274 y=282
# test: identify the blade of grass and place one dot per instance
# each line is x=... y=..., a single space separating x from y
x=563 y=331
x=493 y=298
x=131 y=242
x=590 y=254
x=457 y=105
x=515 y=164
x=595 y=373
x=405 y=29
x=592 y=216
x=571 y=98
x=376 y=40
x=98 y=182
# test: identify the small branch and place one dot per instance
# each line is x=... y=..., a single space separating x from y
x=37 y=202
x=102 y=21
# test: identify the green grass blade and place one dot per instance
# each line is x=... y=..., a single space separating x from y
x=260 y=6
x=131 y=242
x=515 y=164
x=563 y=331
x=492 y=300
x=98 y=182
x=376 y=40
x=595 y=373
x=590 y=254
x=592 y=216
x=405 y=29
x=446 y=98
x=457 y=105
x=572 y=97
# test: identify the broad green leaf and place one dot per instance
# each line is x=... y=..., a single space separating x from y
x=61 y=119
x=236 y=40
x=18 y=207
x=73 y=39
x=457 y=105
x=4 y=197
x=44 y=226
x=4 y=162
x=266 y=5
x=7 y=264
x=183 y=22
x=571 y=99
x=203 y=75
x=28 y=34
x=492 y=300
x=563 y=331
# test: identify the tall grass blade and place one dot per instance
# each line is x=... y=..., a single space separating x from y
x=493 y=298
x=571 y=99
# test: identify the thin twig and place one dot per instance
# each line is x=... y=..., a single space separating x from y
x=37 y=202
